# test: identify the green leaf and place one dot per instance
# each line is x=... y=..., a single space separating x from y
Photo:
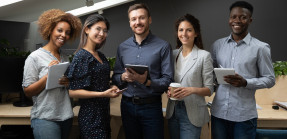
x=112 y=61
x=280 y=68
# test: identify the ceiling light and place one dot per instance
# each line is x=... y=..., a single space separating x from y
x=100 y=11
x=89 y=2
x=7 y=2
x=97 y=6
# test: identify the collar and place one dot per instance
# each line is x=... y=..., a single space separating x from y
x=193 y=53
x=246 y=39
x=146 y=40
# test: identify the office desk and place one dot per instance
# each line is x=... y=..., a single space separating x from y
x=11 y=115
x=270 y=118
x=267 y=117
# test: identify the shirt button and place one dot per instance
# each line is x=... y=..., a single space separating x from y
x=138 y=56
x=140 y=47
x=135 y=86
x=232 y=57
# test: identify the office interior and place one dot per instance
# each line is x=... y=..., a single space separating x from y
x=268 y=25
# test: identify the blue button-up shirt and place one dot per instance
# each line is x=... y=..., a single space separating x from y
x=251 y=59
x=153 y=52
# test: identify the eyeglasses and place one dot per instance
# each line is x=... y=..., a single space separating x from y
x=99 y=29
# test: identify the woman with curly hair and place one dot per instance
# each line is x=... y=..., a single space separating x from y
x=51 y=114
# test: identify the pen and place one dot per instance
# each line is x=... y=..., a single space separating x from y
x=220 y=66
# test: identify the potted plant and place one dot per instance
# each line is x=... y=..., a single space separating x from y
x=7 y=51
x=280 y=68
x=11 y=72
x=112 y=61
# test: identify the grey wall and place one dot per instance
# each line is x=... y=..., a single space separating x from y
x=269 y=20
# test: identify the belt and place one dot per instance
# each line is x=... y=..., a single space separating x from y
x=139 y=100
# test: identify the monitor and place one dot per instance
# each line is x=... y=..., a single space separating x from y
x=11 y=76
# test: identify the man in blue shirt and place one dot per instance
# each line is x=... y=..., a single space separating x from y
x=141 y=106
x=234 y=114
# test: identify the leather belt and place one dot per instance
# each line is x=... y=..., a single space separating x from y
x=139 y=100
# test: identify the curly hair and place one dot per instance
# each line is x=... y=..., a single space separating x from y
x=49 y=19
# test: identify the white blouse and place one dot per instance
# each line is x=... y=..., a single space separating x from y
x=180 y=65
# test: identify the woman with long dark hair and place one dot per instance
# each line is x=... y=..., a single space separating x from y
x=89 y=75
x=186 y=109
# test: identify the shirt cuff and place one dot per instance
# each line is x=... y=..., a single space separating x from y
x=249 y=84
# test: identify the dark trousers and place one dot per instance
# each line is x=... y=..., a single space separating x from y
x=142 y=121
x=224 y=129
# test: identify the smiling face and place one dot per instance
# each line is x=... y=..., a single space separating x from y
x=186 y=33
x=239 y=20
x=139 y=21
x=97 y=33
x=60 y=34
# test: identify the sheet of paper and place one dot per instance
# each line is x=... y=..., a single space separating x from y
x=281 y=104
x=55 y=72
x=221 y=72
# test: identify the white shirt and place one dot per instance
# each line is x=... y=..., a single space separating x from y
x=180 y=65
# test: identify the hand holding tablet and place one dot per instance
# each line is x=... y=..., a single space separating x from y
x=221 y=72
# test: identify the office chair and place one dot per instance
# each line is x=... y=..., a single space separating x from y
x=271 y=134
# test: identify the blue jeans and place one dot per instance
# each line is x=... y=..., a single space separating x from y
x=143 y=121
x=44 y=129
x=179 y=125
x=224 y=129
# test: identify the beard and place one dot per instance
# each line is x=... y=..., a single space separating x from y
x=145 y=30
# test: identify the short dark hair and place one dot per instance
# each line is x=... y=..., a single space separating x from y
x=242 y=4
x=139 y=6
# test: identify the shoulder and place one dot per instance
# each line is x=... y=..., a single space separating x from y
x=203 y=53
x=36 y=55
x=81 y=53
x=155 y=39
x=175 y=51
x=254 y=42
x=127 y=42
x=220 y=41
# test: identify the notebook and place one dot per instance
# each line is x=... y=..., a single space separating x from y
x=221 y=72
x=55 y=72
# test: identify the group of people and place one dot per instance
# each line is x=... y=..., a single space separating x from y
x=233 y=111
